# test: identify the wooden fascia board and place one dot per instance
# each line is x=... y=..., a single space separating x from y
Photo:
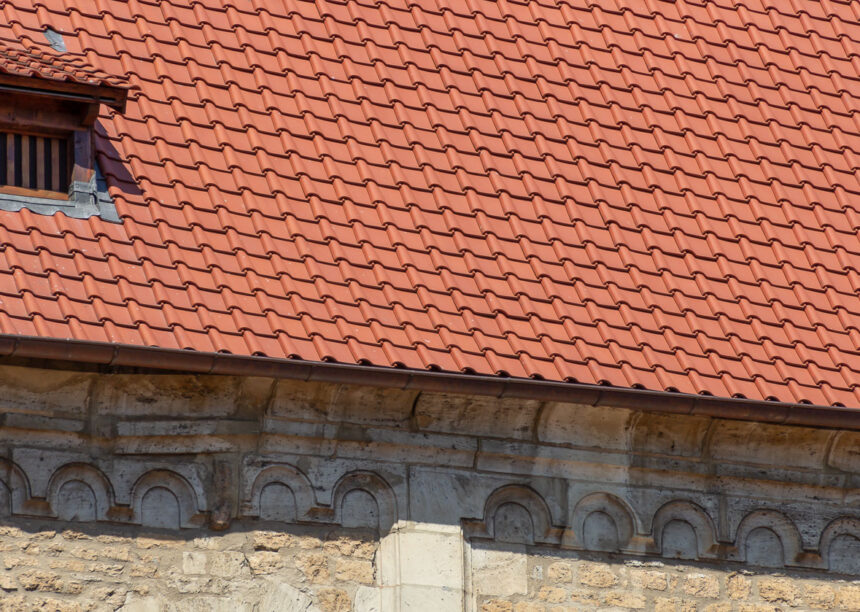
x=114 y=97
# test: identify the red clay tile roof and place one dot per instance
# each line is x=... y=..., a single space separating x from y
x=642 y=193
x=22 y=56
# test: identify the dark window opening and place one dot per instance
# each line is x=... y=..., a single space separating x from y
x=37 y=164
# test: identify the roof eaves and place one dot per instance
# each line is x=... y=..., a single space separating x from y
x=121 y=356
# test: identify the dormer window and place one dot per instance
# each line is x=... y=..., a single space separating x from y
x=35 y=164
x=49 y=102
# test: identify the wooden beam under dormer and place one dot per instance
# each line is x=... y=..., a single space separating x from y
x=42 y=115
x=115 y=97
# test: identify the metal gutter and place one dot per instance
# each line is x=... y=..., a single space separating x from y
x=71 y=352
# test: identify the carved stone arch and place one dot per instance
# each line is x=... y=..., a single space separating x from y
x=158 y=481
x=777 y=523
x=373 y=485
x=292 y=478
x=841 y=528
x=18 y=486
x=609 y=505
x=531 y=502
x=691 y=514
x=88 y=475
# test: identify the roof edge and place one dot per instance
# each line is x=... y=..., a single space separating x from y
x=113 y=95
x=195 y=362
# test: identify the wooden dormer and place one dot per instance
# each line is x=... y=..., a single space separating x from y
x=48 y=105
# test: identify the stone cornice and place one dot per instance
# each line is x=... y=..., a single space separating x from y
x=217 y=442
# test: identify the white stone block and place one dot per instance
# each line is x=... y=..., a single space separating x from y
x=430 y=558
x=367 y=599
x=430 y=599
x=193 y=563
x=285 y=598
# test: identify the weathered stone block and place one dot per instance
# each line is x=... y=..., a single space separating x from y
x=497 y=605
x=354 y=570
x=45 y=392
x=701 y=585
x=848 y=598
x=478 y=416
x=778 y=590
x=334 y=600
x=650 y=579
x=351 y=546
x=265 y=562
x=801 y=447
x=271 y=540
x=668 y=435
x=129 y=395
x=585 y=426
x=629 y=601
x=552 y=594
x=559 y=572
x=597 y=575
x=314 y=566
x=737 y=586
x=664 y=604
x=845 y=452
x=819 y=596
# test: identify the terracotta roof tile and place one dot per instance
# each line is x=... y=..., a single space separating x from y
x=27 y=53
x=656 y=195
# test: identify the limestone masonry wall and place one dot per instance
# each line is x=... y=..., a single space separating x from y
x=253 y=494
x=59 y=568
x=549 y=581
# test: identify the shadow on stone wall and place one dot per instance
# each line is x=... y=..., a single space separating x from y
x=534 y=510
x=678 y=530
x=509 y=577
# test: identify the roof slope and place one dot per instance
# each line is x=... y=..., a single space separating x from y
x=639 y=193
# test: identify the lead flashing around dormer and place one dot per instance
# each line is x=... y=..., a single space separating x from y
x=86 y=199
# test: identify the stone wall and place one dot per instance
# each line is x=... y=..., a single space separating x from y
x=537 y=580
x=437 y=478
x=61 y=567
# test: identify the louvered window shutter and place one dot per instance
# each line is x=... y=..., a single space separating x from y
x=37 y=163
